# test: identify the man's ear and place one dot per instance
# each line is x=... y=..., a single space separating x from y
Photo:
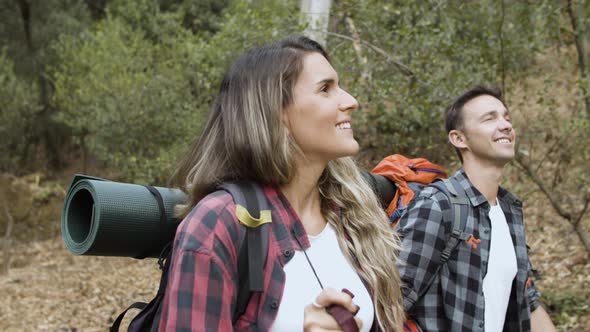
x=457 y=138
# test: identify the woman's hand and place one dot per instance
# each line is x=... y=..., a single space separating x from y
x=316 y=318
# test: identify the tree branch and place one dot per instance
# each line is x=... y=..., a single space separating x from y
x=584 y=210
x=573 y=220
x=405 y=70
x=356 y=44
x=533 y=176
x=583 y=236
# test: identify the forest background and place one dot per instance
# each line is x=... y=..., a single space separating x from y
x=119 y=89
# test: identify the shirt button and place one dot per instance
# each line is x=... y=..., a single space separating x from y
x=288 y=253
x=274 y=305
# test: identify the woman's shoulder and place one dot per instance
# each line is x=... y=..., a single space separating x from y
x=213 y=217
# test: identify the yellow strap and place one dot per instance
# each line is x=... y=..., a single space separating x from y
x=245 y=218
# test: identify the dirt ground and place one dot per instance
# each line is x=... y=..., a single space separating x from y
x=48 y=289
x=60 y=292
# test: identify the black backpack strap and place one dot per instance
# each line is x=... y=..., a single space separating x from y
x=162 y=226
x=253 y=211
x=150 y=312
x=117 y=322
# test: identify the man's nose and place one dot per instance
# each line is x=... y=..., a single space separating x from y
x=505 y=125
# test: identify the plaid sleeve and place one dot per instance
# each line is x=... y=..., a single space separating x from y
x=199 y=294
x=532 y=294
x=423 y=237
x=201 y=283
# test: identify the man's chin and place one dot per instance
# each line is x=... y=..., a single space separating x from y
x=503 y=160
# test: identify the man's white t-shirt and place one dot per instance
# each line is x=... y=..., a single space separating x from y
x=302 y=287
x=501 y=271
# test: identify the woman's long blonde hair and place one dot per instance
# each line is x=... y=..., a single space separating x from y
x=244 y=139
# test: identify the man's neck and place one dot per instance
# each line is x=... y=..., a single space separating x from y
x=486 y=178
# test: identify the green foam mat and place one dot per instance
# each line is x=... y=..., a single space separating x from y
x=107 y=218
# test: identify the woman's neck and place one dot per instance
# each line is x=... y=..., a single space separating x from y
x=304 y=196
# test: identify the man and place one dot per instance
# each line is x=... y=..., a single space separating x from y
x=484 y=285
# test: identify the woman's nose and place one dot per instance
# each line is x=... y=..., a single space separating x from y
x=347 y=102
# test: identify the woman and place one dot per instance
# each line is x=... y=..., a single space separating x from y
x=281 y=120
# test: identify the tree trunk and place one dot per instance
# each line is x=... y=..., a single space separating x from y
x=316 y=13
x=7 y=241
x=97 y=9
x=581 y=48
x=44 y=130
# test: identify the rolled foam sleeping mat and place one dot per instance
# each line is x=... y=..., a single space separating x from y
x=107 y=218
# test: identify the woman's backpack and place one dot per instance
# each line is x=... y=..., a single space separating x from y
x=253 y=247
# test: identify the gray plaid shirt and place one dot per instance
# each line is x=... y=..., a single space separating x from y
x=454 y=301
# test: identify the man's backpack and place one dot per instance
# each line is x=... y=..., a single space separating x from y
x=411 y=176
x=253 y=211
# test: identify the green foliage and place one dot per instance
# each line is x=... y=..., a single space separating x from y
x=130 y=84
x=202 y=17
x=125 y=97
x=433 y=51
x=563 y=306
x=135 y=87
x=17 y=110
x=48 y=20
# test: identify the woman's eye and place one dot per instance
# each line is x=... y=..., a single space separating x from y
x=324 y=88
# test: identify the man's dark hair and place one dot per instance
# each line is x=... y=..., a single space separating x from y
x=454 y=112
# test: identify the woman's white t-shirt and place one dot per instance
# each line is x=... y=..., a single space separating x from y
x=302 y=287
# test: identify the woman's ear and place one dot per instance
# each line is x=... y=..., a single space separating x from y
x=457 y=138
x=285 y=119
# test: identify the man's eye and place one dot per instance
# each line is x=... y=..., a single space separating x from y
x=324 y=88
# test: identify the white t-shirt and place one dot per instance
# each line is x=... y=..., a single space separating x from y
x=302 y=287
x=497 y=282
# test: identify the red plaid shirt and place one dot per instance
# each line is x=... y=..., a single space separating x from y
x=202 y=286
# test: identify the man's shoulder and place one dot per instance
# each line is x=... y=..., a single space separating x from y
x=437 y=190
x=509 y=197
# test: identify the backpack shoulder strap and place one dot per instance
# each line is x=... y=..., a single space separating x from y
x=458 y=214
x=253 y=211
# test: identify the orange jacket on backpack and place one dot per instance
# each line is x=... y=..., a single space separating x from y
x=402 y=170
